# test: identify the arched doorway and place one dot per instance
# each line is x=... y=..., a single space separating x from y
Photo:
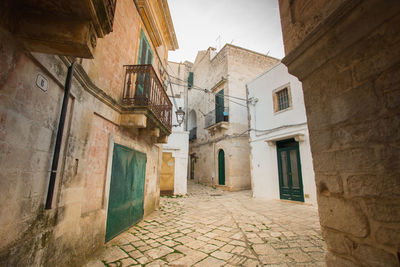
x=192 y=125
x=221 y=167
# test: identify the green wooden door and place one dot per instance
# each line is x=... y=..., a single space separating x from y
x=145 y=57
x=290 y=180
x=125 y=203
x=219 y=106
x=221 y=167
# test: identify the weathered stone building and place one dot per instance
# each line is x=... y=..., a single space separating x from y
x=118 y=114
x=174 y=167
x=347 y=55
x=219 y=155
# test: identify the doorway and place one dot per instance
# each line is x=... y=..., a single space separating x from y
x=221 y=167
x=289 y=167
x=125 y=204
x=167 y=174
x=192 y=162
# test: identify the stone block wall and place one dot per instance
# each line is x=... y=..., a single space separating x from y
x=75 y=227
x=231 y=68
x=237 y=162
x=350 y=67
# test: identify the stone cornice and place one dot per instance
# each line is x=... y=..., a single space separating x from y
x=149 y=21
x=173 y=42
x=87 y=84
x=314 y=37
x=218 y=84
x=349 y=23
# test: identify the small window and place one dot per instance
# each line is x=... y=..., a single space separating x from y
x=190 y=80
x=282 y=99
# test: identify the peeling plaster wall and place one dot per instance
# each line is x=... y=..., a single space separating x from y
x=229 y=69
x=74 y=228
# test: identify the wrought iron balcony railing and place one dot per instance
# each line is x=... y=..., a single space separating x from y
x=142 y=88
x=215 y=116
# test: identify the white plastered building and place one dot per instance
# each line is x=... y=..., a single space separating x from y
x=174 y=168
x=281 y=161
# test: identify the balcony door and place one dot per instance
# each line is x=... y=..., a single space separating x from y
x=145 y=58
x=219 y=106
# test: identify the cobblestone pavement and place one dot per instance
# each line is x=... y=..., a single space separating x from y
x=209 y=227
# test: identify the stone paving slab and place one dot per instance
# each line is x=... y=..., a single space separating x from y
x=210 y=227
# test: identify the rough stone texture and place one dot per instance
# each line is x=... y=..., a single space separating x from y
x=229 y=69
x=370 y=255
x=334 y=260
x=388 y=236
x=75 y=226
x=342 y=215
x=233 y=217
x=349 y=66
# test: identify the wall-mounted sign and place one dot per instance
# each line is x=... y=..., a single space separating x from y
x=42 y=82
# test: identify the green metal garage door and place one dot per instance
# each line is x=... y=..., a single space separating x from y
x=125 y=205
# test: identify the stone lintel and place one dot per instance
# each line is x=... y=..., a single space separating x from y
x=299 y=137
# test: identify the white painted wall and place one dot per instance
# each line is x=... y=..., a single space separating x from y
x=178 y=141
x=178 y=144
x=266 y=125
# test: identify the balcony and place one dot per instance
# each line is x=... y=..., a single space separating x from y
x=193 y=134
x=145 y=101
x=217 y=120
x=59 y=27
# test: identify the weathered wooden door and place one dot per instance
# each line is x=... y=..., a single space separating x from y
x=221 y=167
x=290 y=180
x=125 y=204
x=167 y=174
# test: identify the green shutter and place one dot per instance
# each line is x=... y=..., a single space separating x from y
x=145 y=53
x=190 y=80
x=219 y=106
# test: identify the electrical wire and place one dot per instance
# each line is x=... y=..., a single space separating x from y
x=203 y=89
x=221 y=96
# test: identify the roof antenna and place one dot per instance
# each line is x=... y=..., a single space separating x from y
x=218 y=42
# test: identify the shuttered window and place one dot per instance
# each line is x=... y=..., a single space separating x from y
x=190 y=80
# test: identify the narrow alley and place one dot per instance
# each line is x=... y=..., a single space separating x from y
x=210 y=227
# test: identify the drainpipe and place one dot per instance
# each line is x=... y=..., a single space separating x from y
x=60 y=131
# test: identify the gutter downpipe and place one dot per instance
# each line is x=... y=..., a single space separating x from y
x=60 y=131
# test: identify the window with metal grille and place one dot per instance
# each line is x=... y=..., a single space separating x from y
x=283 y=99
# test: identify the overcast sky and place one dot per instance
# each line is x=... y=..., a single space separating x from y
x=252 y=24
